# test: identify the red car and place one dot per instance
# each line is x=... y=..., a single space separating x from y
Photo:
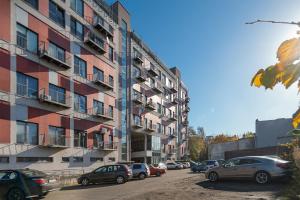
x=156 y=171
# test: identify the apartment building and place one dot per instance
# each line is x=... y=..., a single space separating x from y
x=79 y=90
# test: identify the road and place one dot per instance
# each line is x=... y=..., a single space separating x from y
x=175 y=185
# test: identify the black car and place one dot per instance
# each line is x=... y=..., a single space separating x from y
x=25 y=183
x=109 y=173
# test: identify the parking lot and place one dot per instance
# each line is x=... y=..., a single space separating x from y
x=176 y=184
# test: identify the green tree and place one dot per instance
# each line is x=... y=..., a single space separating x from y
x=197 y=146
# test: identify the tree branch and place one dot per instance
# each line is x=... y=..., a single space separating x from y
x=274 y=22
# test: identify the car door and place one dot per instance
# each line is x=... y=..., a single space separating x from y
x=8 y=179
x=109 y=175
x=99 y=175
x=230 y=169
x=248 y=167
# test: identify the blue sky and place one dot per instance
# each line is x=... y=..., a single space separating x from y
x=218 y=55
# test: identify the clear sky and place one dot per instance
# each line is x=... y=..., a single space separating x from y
x=218 y=55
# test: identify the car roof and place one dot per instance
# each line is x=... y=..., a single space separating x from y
x=258 y=157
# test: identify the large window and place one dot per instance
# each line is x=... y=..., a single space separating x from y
x=98 y=74
x=98 y=107
x=57 y=136
x=27 y=39
x=79 y=67
x=57 y=52
x=98 y=140
x=57 y=94
x=33 y=3
x=56 y=13
x=77 y=6
x=76 y=28
x=80 y=138
x=27 y=133
x=27 y=85
x=80 y=103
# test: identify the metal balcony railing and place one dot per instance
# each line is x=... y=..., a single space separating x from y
x=173 y=89
x=142 y=76
x=57 y=140
x=137 y=98
x=55 y=97
x=53 y=55
x=95 y=42
x=102 y=113
x=138 y=57
x=173 y=117
x=152 y=70
x=137 y=123
x=103 y=80
x=150 y=105
x=100 y=24
x=106 y=146
x=150 y=127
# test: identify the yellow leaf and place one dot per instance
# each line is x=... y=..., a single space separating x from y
x=288 y=52
x=296 y=118
x=256 y=80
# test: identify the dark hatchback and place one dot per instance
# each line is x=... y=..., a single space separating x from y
x=109 y=173
x=25 y=183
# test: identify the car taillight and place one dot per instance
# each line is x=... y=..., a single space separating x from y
x=40 y=181
x=283 y=165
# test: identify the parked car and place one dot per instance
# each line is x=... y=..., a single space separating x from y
x=108 y=173
x=199 y=167
x=174 y=165
x=25 y=183
x=182 y=165
x=162 y=166
x=260 y=168
x=140 y=170
x=156 y=171
x=221 y=162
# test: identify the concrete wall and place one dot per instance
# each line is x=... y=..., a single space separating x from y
x=217 y=151
x=272 y=132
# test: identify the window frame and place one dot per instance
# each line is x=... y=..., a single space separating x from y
x=26 y=134
x=76 y=95
x=26 y=37
x=55 y=18
x=76 y=9
x=74 y=31
x=79 y=67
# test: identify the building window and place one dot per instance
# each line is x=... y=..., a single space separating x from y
x=111 y=54
x=57 y=52
x=164 y=79
x=57 y=94
x=80 y=139
x=98 y=107
x=110 y=111
x=80 y=103
x=96 y=159
x=77 y=159
x=77 y=6
x=27 y=133
x=65 y=159
x=98 y=74
x=159 y=75
x=159 y=108
x=27 y=39
x=34 y=159
x=136 y=72
x=79 y=67
x=56 y=13
x=76 y=28
x=137 y=120
x=33 y=3
x=57 y=136
x=27 y=85
x=4 y=159
x=98 y=140
x=159 y=128
x=111 y=80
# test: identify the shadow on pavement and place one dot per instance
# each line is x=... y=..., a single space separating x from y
x=241 y=186
x=80 y=187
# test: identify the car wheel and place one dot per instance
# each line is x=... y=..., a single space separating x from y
x=158 y=174
x=262 y=177
x=85 y=181
x=213 y=177
x=15 y=194
x=120 y=180
x=142 y=176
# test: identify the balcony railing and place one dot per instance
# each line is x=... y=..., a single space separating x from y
x=152 y=70
x=173 y=89
x=137 y=123
x=137 y=98
x=103 y=113
x=104 y=27
x=142 y=76
x=172 y=117
x=150 y=105
x=138 y=57
x=56 y=141
x=106 y=146
x=95 y=42
x=103 y=80
x=157 y=88
x=187 y=99
x=55 y=98
x=173 y=135
x=52 y=55
x=185 y=122
x=150 y=127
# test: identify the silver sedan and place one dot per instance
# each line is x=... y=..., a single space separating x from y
x=260 y=168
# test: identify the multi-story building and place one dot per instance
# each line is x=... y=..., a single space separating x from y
x=78 y=89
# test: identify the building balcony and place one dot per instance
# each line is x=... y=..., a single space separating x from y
x=102 y=80
x=174 y=101
x=152 y=71
x=105 y=114
x=95 y=42
x=55 y=98
x=173 y=117
x=173 y=135
x=187 y=99
x=141 y=77
x=138 y=57
x=54 y=141
x=58 y=58
x=106 y=146
x=173 y=89
x=101 y=25
x=137 y=124
x=187 y=109
x=157 y=88
x=150 y=127
x=137 y=98
x=150 y=105
x=185 y=123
